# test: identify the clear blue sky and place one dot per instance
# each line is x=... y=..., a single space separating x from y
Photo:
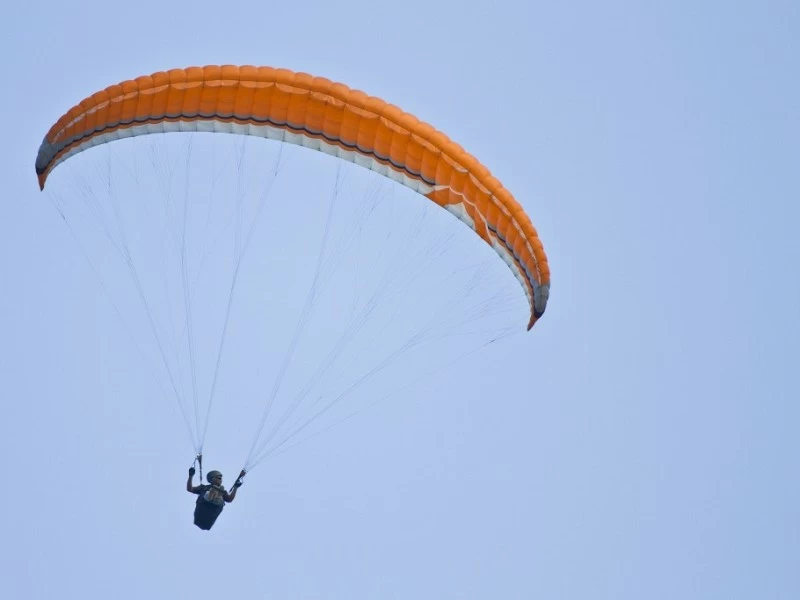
x=640 y=442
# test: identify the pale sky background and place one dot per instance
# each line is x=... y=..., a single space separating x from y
x=639 y=443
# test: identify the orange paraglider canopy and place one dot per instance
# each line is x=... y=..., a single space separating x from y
x=316 y=113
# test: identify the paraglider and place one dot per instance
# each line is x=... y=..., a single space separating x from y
x=315 y=113
x=211 y=498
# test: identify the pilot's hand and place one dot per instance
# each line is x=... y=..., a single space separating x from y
x=191 y=471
